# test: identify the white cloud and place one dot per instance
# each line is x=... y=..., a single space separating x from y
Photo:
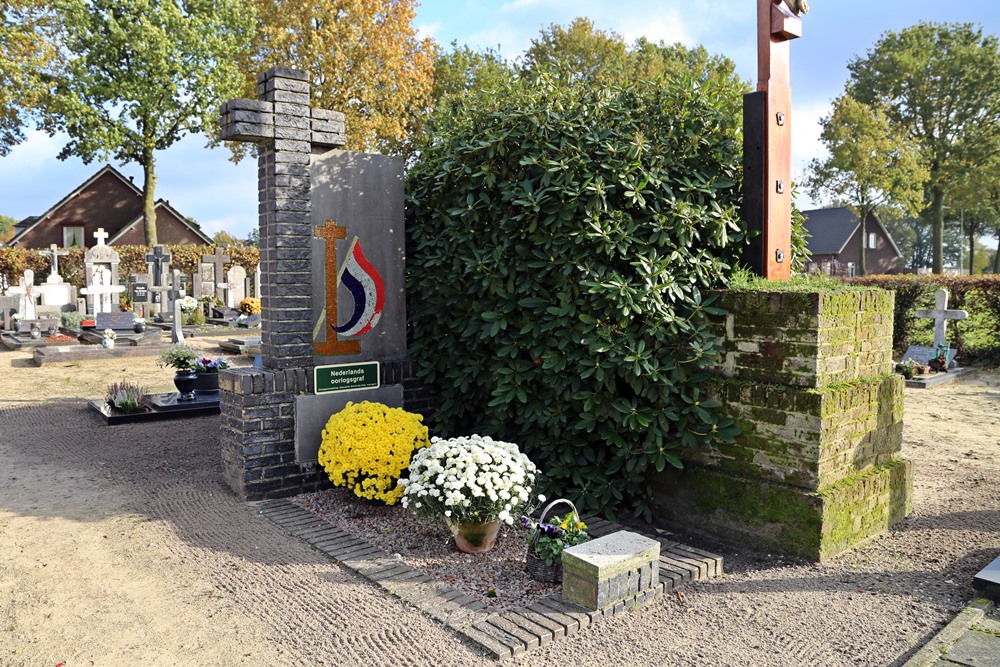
x=806 y=144
x=668 y=27
x=428 y=29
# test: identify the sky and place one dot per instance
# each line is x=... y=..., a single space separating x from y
x=205 y=185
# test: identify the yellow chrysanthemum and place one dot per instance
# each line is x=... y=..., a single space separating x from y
x=366 y=447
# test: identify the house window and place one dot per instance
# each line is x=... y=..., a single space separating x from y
x=73 y=236
x=872 y=241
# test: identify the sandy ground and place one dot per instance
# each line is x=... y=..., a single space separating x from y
x=121 y=546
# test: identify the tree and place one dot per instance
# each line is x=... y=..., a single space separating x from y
x=872 y=166
x=224 y=239
x=7 y=228
x=363 y=57
x=977 y=198
x=461 y=70
x=28 y=42
x=940 y=83
x=581 y=52
x=143 y=74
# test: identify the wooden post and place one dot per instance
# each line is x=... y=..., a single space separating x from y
x=767 y=191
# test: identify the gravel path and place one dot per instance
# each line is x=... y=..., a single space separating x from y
x=120 y=545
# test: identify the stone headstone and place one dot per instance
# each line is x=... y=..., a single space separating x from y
x=158 y=263
x=236 y=285
x=101 y=275
x=216 y=285
x=8 y=306
x=139 y=285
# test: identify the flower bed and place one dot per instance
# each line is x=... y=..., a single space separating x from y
x=427 y=546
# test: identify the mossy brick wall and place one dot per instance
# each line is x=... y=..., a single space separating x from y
x=816 y=469
x=809 y=437
x=807 y=339
x=787 y=519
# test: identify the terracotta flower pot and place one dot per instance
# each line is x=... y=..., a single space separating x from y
x=475 y=537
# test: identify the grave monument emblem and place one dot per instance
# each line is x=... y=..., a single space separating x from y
x=365 y=285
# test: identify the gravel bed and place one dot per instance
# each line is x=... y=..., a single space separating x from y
x=496 y=578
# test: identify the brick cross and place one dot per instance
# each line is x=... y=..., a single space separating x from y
x=279 y=116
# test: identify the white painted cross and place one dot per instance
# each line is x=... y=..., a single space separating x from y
x=940 y=314
x=101 y=236
x=102 y=290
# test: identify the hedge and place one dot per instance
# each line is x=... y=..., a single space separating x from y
x=14 y=261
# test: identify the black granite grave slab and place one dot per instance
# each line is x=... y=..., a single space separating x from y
x=987 y=582
x=161 y=406
x=934 y=379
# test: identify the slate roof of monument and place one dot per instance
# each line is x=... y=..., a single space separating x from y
x=831 y=228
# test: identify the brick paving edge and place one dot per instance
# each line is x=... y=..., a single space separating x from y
x=502 y=635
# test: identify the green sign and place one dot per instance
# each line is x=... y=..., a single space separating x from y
x=346 y=377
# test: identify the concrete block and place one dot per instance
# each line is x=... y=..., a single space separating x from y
x=602 y=572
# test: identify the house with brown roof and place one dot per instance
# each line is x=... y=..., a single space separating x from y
x=835 y=241
x=110 y=201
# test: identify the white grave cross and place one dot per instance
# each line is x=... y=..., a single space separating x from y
x=102 y=291
x=940 y=314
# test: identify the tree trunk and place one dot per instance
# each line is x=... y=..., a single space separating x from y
x=149 y=197
x=972 y=250
x=996 y=257
x=937 y=228
x=863 y=264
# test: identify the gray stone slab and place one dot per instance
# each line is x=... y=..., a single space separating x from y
x=975 y=649
x=363 y=194
x=313 y=412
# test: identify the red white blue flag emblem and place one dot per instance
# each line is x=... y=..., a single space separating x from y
x=364 y=283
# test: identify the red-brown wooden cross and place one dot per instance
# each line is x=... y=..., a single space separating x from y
x=777 y=24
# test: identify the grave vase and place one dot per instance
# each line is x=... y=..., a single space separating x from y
x=185 y=382
x=207 y=385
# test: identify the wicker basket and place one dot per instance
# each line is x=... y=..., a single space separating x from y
x=536 y=567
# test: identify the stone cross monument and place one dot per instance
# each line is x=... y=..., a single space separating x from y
x=767 y=149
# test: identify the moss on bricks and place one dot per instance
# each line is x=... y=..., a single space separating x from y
x=772 y=516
